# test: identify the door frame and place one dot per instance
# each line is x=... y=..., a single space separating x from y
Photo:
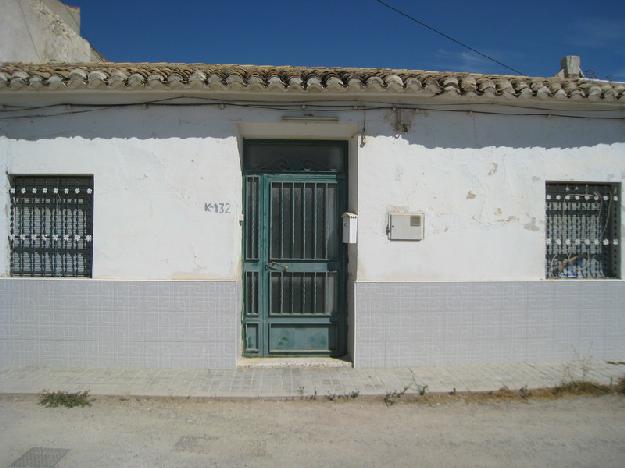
x=264 y=318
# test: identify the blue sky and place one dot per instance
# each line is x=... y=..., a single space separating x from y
x=530 y=36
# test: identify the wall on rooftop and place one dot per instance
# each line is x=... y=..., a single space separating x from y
x=40 y=31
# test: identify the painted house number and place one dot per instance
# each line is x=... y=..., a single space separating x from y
x=217 y=207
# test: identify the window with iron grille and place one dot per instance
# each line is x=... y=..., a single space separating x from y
x=582 y=230
x=51 y=225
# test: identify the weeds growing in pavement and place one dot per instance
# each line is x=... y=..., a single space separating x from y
x=69 y=400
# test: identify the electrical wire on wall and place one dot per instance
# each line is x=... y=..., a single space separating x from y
x=8 y=111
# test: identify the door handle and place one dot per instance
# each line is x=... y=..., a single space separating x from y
x=276 y=266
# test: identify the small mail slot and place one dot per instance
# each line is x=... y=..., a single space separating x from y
x=350 y=228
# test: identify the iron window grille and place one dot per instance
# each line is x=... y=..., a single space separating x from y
x=582 y=230
x=51 y=226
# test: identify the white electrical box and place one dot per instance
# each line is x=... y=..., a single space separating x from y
x=406 y=226
x=350 y=228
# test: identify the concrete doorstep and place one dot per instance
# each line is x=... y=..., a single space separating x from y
x=258 y=382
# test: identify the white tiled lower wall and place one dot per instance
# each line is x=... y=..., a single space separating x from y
x=194 y=324
x=96 y=323
x=413 y=324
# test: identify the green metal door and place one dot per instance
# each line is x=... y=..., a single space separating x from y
x=294 y=268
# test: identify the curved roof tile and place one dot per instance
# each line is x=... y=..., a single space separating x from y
x=258 y=79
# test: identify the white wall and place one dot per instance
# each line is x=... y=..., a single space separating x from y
x=480 y=179
x=154 y=168
x=149 y=189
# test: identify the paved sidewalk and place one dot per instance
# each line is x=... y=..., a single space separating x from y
x=288 y=382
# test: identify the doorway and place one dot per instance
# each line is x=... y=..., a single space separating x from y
x=294 y=260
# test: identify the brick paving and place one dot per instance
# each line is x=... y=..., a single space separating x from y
x=294 y=382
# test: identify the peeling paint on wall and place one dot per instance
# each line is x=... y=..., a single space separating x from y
x=499 y=234
x=399 y=170
x=531 y=226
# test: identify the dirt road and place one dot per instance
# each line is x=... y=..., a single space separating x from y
x=568 y=432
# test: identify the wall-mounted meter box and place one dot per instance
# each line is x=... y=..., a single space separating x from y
x=406 y=226
x=350 y=228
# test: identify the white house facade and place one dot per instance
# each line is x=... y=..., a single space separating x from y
x=185 y=216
